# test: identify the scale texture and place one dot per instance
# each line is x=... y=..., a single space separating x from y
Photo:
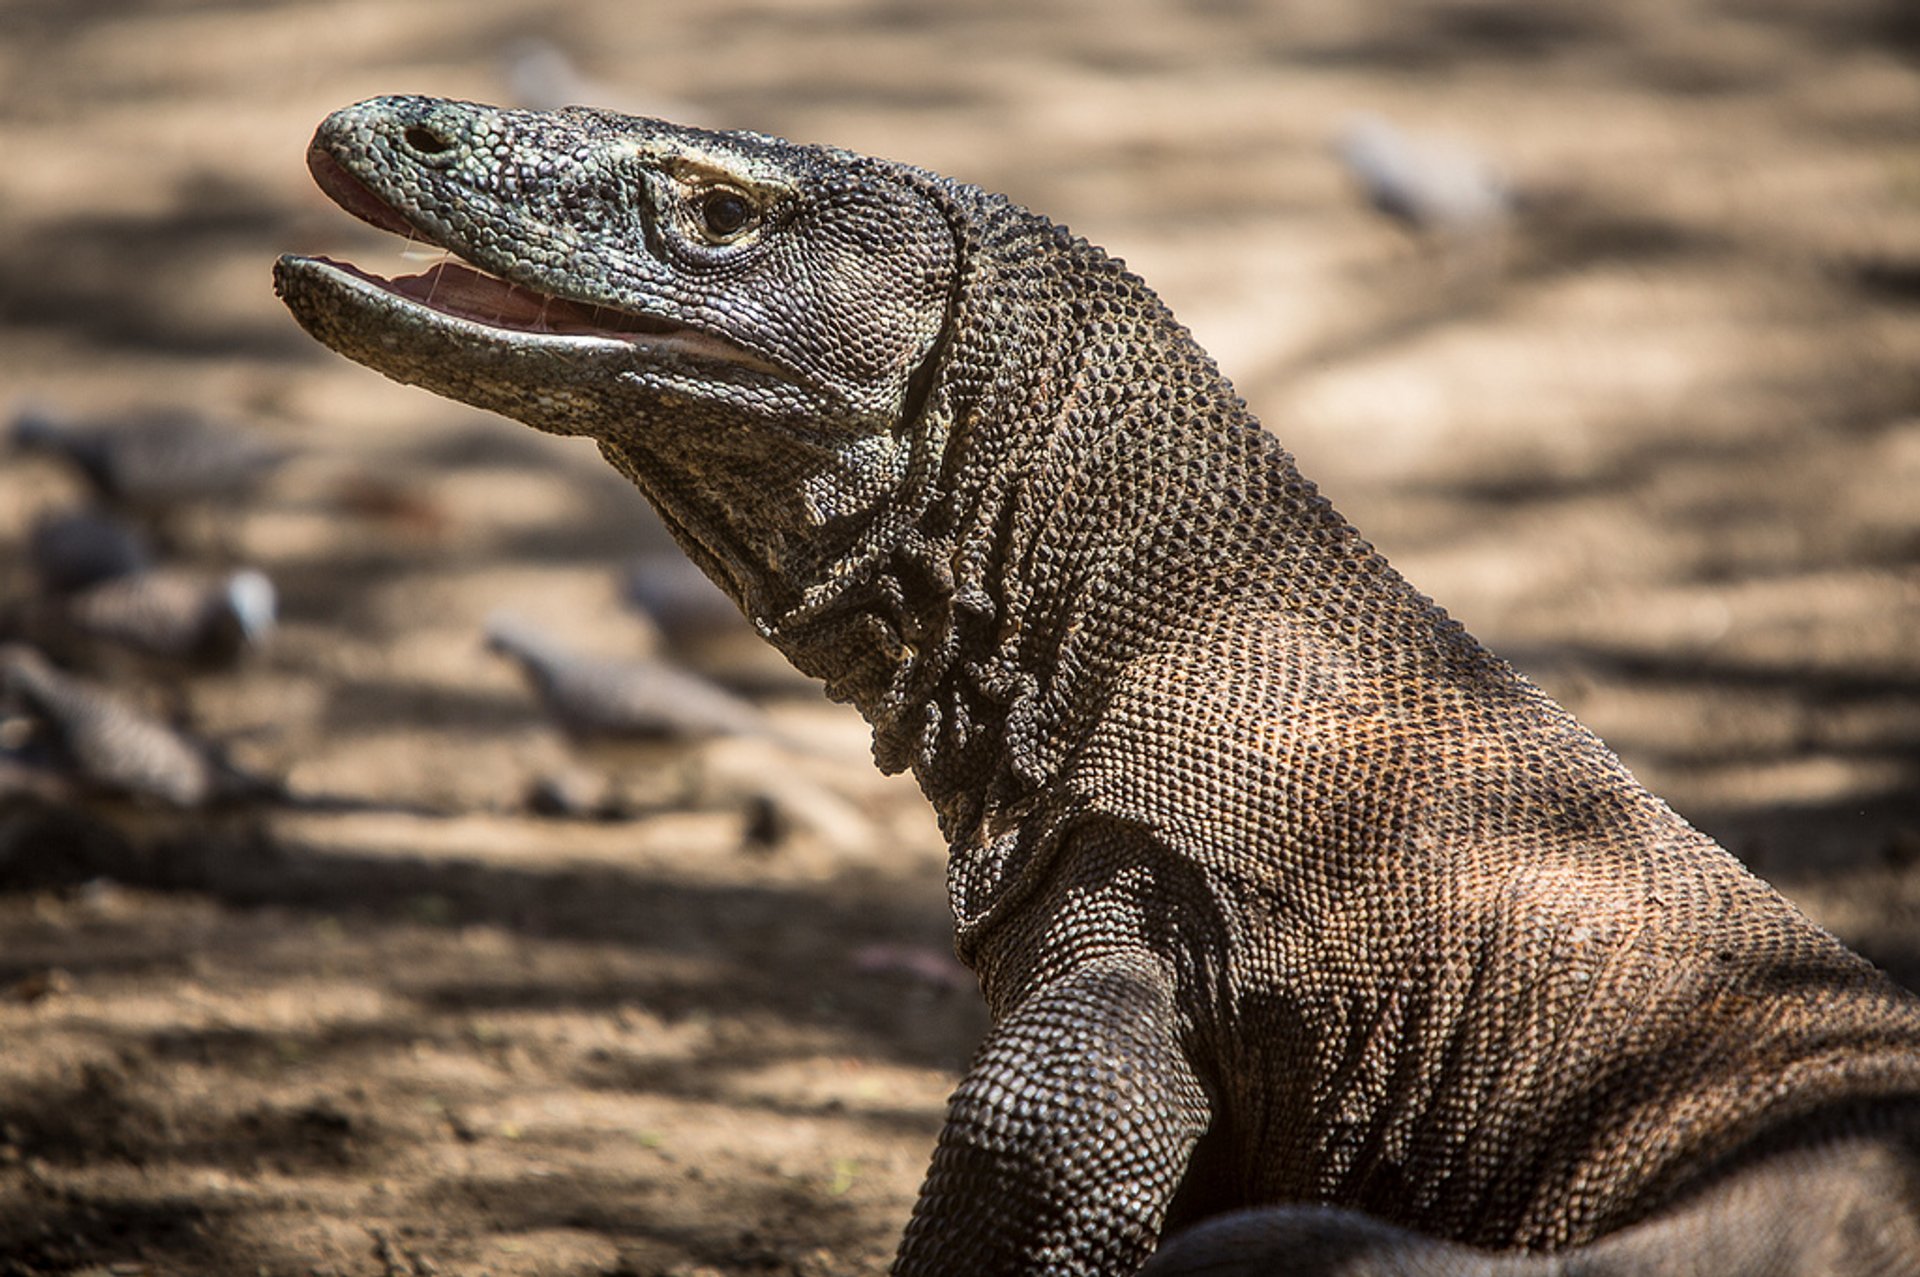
x=1283 y=892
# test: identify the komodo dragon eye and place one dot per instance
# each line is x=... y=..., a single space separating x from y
x=725 y=213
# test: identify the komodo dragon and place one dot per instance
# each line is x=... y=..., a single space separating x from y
x=1282 y=891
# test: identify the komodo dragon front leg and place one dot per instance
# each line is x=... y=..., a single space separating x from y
x=1247 y=837
x=1068 y=1137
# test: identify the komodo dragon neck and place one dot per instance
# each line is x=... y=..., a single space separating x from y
x=1097 y=467
x=1105 y=495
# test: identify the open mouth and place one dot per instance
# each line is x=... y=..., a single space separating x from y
x=463 y=291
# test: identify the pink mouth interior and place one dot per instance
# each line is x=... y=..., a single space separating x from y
x=453 y=288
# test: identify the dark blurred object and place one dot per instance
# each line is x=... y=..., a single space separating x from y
x=73 y=549
x=1430 y=186
x=37 y=986
x=50 y=841
x=404 y=507
x=574 y=795
x=101 y=744
x=681 y=600
x=160 y=622
x=597 y=698
x=191 y=619
x=706 y=629
x=154 y=462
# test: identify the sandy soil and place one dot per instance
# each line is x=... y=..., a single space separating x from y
x=1666 y=456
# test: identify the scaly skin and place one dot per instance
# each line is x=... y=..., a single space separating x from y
x=1282 y=891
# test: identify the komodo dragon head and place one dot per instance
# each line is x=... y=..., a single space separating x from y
x=746 y=326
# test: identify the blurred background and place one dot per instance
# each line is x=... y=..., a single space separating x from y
x=379 y=955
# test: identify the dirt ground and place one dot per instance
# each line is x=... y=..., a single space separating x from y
x=1664 y=454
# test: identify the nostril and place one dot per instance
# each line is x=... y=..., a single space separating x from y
x=426 y=141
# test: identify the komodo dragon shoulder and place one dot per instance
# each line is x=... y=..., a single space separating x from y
x=1284 y=893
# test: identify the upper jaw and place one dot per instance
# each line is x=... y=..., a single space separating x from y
x=471 y=298
x=350 y=193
